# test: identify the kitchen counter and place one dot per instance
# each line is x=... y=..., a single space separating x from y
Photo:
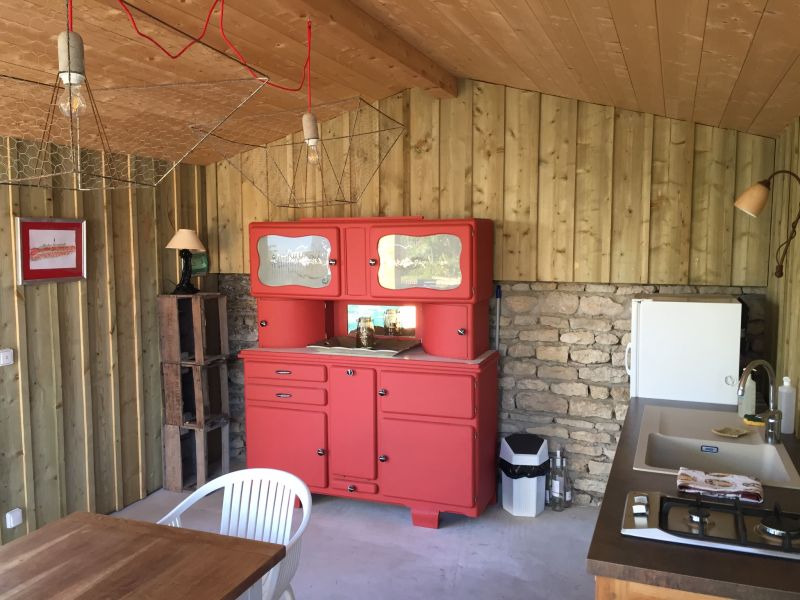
x=681 y=567
x=414 y=354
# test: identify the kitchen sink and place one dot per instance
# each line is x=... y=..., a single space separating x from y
x=672 y=437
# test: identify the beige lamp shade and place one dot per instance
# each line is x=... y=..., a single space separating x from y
x=186 y=239
x=753 y=200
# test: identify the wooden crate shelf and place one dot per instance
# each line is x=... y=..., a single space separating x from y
x=194 y=354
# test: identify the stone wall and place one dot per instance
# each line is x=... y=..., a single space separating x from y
x=562 y=373
x=561 y=370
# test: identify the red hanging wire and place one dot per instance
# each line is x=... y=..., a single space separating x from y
x=306 y=78
x=69 y=15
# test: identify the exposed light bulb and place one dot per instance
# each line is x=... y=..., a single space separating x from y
x=311 y=136
x=313 y=151
x=71 y=102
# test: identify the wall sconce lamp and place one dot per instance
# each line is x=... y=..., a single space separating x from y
x=752 y=202
x=186 y=241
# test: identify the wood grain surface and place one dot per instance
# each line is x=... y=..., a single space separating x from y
x=96 y=556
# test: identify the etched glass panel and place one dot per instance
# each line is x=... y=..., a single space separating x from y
x=431 y=261
x=299 y=261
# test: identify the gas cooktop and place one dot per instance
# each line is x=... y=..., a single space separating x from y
x=712 y=523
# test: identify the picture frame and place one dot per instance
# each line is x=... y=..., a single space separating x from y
x=50 y=250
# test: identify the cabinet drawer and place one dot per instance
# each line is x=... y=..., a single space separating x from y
x=431 y=394
x=290 y=371
x=265 y=392
x=354 y=487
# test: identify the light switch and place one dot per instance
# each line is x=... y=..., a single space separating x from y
x=6 y=357
x=13 y=518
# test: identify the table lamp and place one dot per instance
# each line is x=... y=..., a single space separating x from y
x=186 y=241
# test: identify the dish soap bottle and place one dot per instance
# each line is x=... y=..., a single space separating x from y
x=787 y=399
x=557 y=484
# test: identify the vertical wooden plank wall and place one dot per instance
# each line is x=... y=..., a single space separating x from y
x=80 y=409
x=577 y=191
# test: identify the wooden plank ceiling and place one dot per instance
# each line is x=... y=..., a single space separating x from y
x=730 y=64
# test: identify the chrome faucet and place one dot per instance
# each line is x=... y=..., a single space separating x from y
x=772 y=418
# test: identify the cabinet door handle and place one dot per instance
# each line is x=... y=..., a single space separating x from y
x=331 y=261
x=383 y=458
x=320 y=451
x=461 y=331
x=282 y=372
x=263 y=323
x=382 y=392
x=283 y=395
x=351 y=488
x=350 y=372
x=372 y=262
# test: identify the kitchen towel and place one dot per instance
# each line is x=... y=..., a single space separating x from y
x=720 y=485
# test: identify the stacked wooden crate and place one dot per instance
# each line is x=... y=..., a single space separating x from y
x=194 y=354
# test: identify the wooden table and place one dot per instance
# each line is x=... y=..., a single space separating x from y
x=95 y=556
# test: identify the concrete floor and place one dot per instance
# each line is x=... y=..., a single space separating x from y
x=361 y=550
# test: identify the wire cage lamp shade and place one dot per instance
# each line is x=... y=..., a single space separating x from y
x=303 y=171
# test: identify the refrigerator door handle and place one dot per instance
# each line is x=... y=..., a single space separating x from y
x=628 y=349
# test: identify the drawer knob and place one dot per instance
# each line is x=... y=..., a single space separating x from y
x=383 y=458
x=263 y=323
x=351 y=488
x=283 y=395
x=350 y=372
x=382 y=392
x=331 y=261
x=320 y=451
x=461 y=331
x=372 y=262
x=282 y=372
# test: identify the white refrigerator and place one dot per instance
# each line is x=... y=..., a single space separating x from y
x=685 y=348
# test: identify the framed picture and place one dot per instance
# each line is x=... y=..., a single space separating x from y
x=50 y=250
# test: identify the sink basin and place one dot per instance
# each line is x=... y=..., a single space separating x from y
x=672 y=437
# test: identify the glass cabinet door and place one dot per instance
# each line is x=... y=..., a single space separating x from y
x=295 y=262
x=422 y=261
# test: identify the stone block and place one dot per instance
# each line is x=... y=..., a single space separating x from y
x=589 y=408
x=621 y=393
x=560 y=303
x=595 y=486
x=532 y=384
x=607 y=426
x=626 y=339
x=519 y=304
x=587 y=324
x=522 y=350
x=543 y=286
x=599 y=468
x=542 y=334
x=606 y=339
x=518 y=367
x=508 y=333
x=557 y=322
x=581 y=499
x=604 y=374
x=717 y=290
x=578 y=337
x=576 y=448
x=600 y=288
x=598 y=392
x=589 y=356
x=523 y=320
x=553 y=353
x=594 y=437
x=571 y=287
x=581 y=424
x=507 y=400
x=551 y=430
x=622 y=324
x=542 y=401
x=629 y=290
x=620 y=410
x=520 y=287
x=507 y=382
x=570 y=388
x=557 y=372
x=618 y=359
x=599 y=306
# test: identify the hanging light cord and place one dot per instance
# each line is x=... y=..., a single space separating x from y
x=306 y=78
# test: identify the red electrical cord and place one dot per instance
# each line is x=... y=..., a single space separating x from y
x=239 y=55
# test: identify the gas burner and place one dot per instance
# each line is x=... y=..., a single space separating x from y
x=779 y=526
x=699 y=515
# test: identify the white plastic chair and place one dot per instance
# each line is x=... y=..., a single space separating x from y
x=258 y=504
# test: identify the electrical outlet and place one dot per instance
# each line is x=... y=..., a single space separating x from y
x=13 y=518
x=6 y=357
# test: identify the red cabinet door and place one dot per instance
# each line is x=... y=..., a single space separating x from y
x=352 y=422
x=432 y=462
x=289 y=440
x=422 y=262
x=294 y=260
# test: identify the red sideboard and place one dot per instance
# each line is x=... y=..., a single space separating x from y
x=417 y=429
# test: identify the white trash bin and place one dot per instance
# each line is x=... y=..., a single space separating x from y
x=524 y=463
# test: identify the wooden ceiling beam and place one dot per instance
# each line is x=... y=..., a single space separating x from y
x=379 y=38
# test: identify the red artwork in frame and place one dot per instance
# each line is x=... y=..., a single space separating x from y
x=50 y=250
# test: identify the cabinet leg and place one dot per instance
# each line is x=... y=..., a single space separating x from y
x=173 y=466
x=425 y=518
